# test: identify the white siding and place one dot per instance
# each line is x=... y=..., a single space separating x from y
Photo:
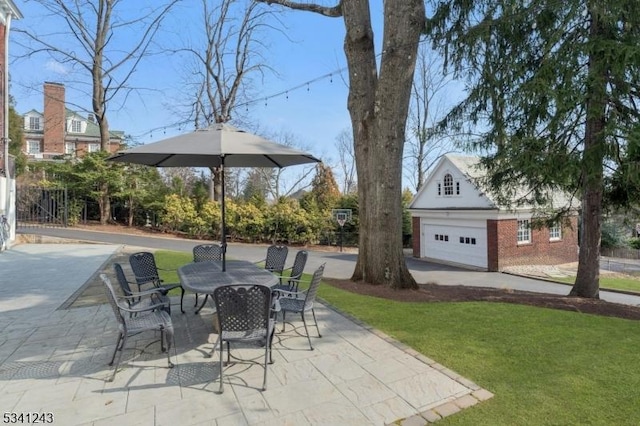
x=469 y=198
x=465 y=245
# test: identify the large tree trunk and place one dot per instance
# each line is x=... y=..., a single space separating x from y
x=378 y=108
x=588 y=275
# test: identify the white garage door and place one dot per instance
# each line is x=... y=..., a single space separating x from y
x=459 y=244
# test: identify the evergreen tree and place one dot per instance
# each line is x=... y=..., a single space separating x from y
x=324 y=188
x=554 y=86
x=255 y=186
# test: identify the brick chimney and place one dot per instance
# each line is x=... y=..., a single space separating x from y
x=54 y=118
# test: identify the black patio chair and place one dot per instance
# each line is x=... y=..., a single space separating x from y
x=206 y=253
x=149 y=318
x=143 y=299
x=145 y=270
x=301 y=302
x=244 y=316
x=290 y=282
x=275 y=259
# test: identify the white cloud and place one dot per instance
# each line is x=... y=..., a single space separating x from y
x=56 y=67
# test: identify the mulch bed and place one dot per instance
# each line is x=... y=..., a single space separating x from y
x=444 y=293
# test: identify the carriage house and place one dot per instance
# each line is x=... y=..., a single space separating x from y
x=456 y=222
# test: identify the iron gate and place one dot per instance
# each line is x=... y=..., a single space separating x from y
x=37 y=206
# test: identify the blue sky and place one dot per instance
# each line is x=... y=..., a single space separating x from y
x=312 y=48
x=315 y=115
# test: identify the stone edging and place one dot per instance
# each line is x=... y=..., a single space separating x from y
x=454 y=405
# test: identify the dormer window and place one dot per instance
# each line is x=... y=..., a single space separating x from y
x=34 y=123
x=76 y=126
x=448 y=185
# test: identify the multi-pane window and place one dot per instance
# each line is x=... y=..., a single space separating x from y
x=467 y=240
x=524 y=231
x=33 y=147
x=448 y=184
x=76 y=126
x=439 y=188
x=555 y=232
x=69 y=147
x=441 y=237
x=457 y=188
x=94 y=147
x=34 y=123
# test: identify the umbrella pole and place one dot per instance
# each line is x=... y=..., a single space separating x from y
x=224 y=226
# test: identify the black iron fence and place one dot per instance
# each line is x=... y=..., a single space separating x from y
x=37 y=206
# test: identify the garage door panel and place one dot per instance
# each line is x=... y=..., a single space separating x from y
x=459 y=244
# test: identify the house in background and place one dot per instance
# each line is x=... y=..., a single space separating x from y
x=456 y=222
x=59 y=133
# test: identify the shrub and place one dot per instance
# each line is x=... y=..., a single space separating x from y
x=288 y=222
x=611 y=237
x=249 y=221
x=179 y=214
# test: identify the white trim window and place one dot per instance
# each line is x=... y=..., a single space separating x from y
x=555 y=232
x=34 y=123
x=76 y=126
x=69 y=147
x=93 y=147
x=33 y=147
x=448 y=185
x=524 y=231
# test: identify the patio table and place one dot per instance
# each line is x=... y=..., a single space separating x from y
x=205 y=277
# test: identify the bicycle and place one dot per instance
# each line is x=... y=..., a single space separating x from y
x=4 y=233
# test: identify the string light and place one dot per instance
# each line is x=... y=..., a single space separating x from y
x=284 y=93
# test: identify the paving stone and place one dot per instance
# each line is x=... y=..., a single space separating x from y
x=431 y=416
x=466 y=401
x=413 y=421
x=482 y=394
x=356 y=375
x=447 y=409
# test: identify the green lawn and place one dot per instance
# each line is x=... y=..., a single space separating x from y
x=545 y=367
x=171 y=260
x=609 y=283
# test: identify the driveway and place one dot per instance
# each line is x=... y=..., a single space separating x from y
x=339 y=265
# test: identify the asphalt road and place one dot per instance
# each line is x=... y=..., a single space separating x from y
x=339 y=265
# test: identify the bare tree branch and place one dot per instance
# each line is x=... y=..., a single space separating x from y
x=332 y=12
x=90 y=44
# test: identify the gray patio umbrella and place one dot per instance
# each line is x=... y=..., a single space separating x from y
x=220 y=145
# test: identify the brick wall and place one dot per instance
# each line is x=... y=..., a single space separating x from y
x=492 y=245
x=417 y=233
x=54 y=118
x=540 y=251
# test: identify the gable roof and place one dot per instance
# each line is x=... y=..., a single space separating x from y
x=470 y=167
x=92 y=129
x=34 y=112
